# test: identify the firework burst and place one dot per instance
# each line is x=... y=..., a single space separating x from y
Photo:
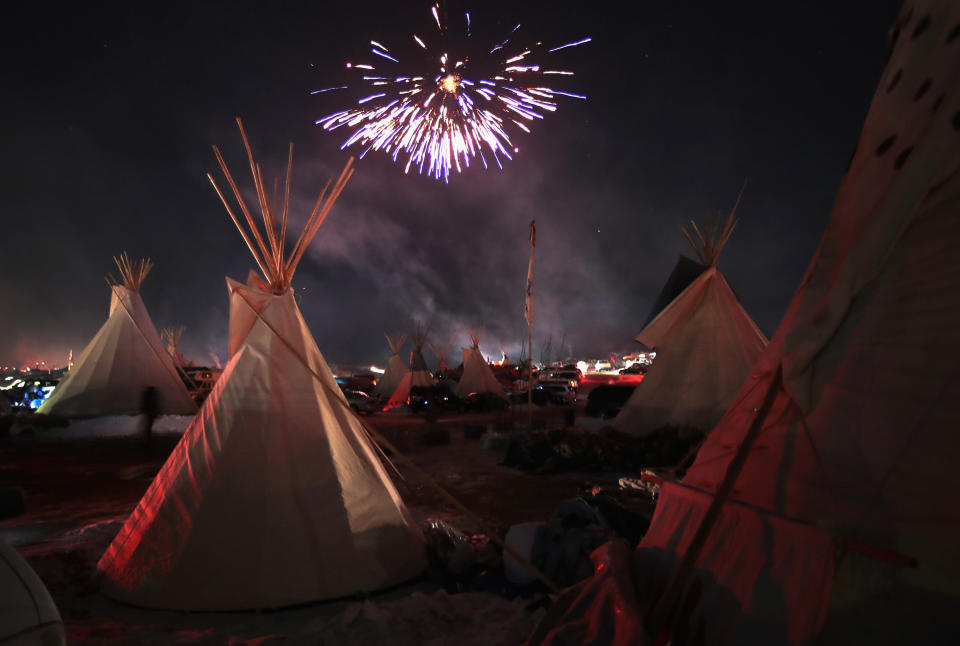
x=450 y=102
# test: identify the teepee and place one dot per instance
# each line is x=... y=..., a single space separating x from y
x=441 y=352
x=417 y=375
x=705 y=343
x=477 y=375
x=275 y=495
x=396 y=368
x=823 y=507
x=172 y=336
x=125 y=356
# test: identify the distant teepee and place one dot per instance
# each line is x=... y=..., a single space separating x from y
x=396 y=368
x=477 y=375
x=705 y=343
x=172 y=336
x=275 y=495
x=441 y=352
x=418 y=374
x=125 y=356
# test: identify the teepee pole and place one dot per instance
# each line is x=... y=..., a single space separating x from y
x=529 y=317
x=281 y=266
x=243 y=206
x=236 y=221
x=269 y=252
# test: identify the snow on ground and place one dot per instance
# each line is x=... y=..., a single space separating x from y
x=110 y=426
x=416 y=613
x=80 y=489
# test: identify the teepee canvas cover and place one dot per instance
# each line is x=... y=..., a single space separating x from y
x=826 y=498
x=417 y=375
x=396 y=368
x=684 y=272
x=124 y=357
x=477 y=375
x=28 y=615
x=275 y=495
x=706 y=344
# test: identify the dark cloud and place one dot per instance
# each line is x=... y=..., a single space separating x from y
x=113 y=108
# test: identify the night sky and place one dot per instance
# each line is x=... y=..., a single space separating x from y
x=109 y=111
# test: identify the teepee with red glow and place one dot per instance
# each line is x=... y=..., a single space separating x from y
x=418 y=374
x=275 y=495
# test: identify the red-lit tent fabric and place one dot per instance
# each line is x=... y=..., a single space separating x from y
x=853 y=470
x=275 y=495
x=417 y=376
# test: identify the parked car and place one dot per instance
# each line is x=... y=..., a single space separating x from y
x=483 y=402
x=568 y=377
x=558 y=394
x=433 y=399
x=361 y=402
x=606 y=401
x=364 y=382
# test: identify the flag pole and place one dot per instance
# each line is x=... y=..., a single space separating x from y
x=529 y=316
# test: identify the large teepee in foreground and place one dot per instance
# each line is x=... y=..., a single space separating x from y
x=823 y=507
x=396 y=368
x=477 y=375
x=705 y=342
x=417 y=375
x=125 y=356
x=275 y=495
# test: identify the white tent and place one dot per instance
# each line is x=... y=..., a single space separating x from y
x=28 y=615
x=396 y=368
x=275 y=495
x=705 y=343
x=823 y=507
x=477 y=375
x=124 y=357
x=417 y=375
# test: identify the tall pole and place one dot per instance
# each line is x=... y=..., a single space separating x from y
x=528 y=314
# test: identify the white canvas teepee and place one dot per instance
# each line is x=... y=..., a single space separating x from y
x=706 y=344
x=477 y=375
x=396 y=367
x=275 y=495
x=823 y=507
x=125 y=356
x=417 y=375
